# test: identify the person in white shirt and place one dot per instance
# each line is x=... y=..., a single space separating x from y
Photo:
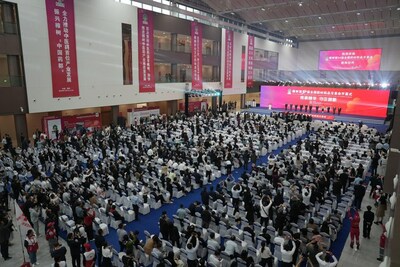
x=106 y=252
x=287 y=250
x=191 y=250
x=265 y=205
x=231 y=248
x=212 y=242
x=215 y=259
x=327 y=261
x=306 y=194
x=265 y=255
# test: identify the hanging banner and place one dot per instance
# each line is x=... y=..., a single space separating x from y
x=250 y=59
x=61 y=28
x=197 y=56
x=228 y=59
x=146 y=51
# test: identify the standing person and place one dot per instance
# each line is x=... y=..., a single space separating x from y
x=287 y=250
x=339 y=111
x=74 y=244
x=367 y=222
x=89 y=256
x=265 y=205
x=4 y=237
x=107 y=254
x=327 y=261
x=59 y=252
x=88 y=218
x=191 y=250
x=164 y=223
x=382 y=243
x=121 y=232
x=34 y=213
x=359 y=192
x=354 y=228
x=266 y=256
x=51 y=236
x=99 y=240
x=31 y=244
x=381 y=208
x=135 y=204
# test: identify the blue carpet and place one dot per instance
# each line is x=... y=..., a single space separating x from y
x=149 y=221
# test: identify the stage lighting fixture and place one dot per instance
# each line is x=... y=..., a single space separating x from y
x=384 y=85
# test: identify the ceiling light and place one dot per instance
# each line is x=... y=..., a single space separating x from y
x=232 y=13
x=398 y=9
x=372 y=31
x=365 y=24
x=319 y=17
x=316 y=35
x=300 y=3
x=333 y=27
x=304 y=29
x=286 y=21
x=342 y=33
x=260 y=23
x=358 y=13
x=262 y=9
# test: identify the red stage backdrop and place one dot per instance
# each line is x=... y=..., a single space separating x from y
x=250 y=58
x=228 y=59
x=197 y=56
x=356 y=59
x=75 y=123
x=146 y=51
x=61 y=27
x=352 y=101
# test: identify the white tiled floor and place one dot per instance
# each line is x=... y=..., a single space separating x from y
x=369 y=248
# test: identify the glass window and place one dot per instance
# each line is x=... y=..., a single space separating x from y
x=148 y=7
x=184 y=43
x=210 y=47
x=8 y=18
x=211 y=73
x=162 y=41
x=128 y=2
x=166 y=2
x=166 y=12
x=127 y=53
x=156 y=9
x=136 y=4
x=163 y=73
x=10 y=71
x=184 y=73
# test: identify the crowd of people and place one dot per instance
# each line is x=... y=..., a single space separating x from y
x=169 y=155
x=309 y=108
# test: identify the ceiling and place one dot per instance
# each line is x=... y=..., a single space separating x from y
x=311 y=20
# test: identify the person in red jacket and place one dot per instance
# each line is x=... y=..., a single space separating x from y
x=88 y=222
x=89 y=257
x=354 y=228
x=382 y=243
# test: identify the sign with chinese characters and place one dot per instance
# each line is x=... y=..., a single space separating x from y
x=250 y=60
x=355 y=59
x=146 y=51
x=228 y=59
x=197 y=56
x=350 y=101
x=62 y=43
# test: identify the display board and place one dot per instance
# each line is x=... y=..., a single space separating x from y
x=354 y=59
x=351 y=101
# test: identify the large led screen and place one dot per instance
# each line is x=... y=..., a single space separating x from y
x=356 y=59
x=352 y=101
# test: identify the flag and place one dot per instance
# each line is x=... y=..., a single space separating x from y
x=22 y=222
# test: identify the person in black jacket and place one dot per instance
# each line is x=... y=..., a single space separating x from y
x=75 y=242
x=367 y=222
x=59 y=252
x=99 y=241
x=4 y=237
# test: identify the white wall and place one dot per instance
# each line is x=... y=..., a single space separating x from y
x=99 y=56
x=287 y=55
x=308 y=54
x=238 y=87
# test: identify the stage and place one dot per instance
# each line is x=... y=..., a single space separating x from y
x=324 y=116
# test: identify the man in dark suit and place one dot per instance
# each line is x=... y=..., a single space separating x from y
x=310 y=108
x=334 y=110
x=316 y=109
x=339 y=111
x=368 y=219
x=291 y=105
x=295 y=107
x=286 y=106
x=301 y=108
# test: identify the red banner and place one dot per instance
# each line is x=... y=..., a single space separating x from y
x=62 y=43
x=146 y=51
x=370 y=103
x=250 y=60
x=228 y=59
x=197 y=56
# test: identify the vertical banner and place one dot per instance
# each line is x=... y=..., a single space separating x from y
x=228 y=58
x=146 y=51
x=62 y=43
x=250 y=58
x=197 y=56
